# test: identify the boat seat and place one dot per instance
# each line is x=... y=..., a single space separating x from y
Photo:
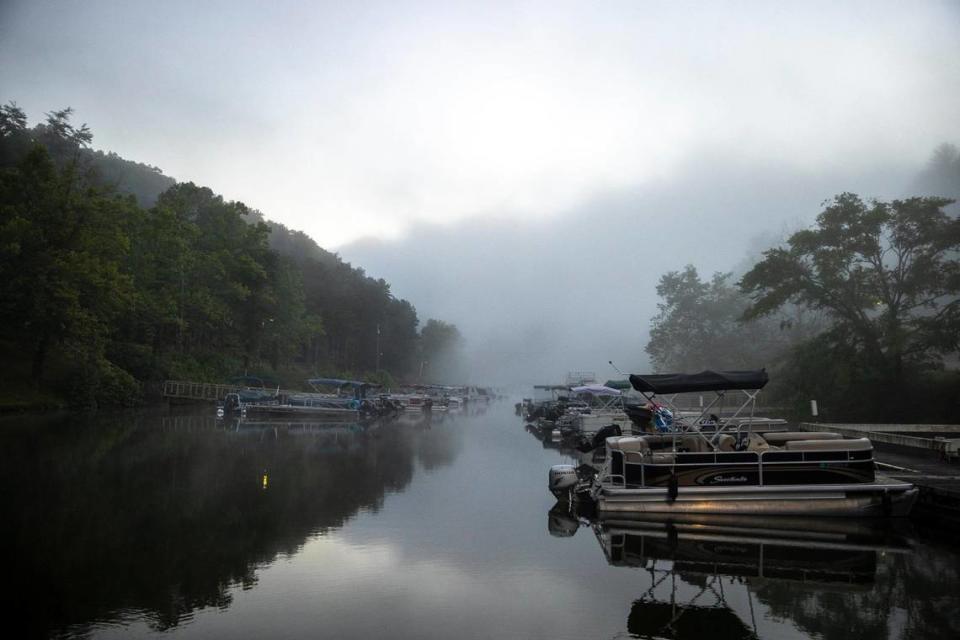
x=780 y=437
x=661 y=458
x=627 y=444
x=757 y=443
x=660 y=439
x=726 y=442
x=854 y=444
x=695 y=444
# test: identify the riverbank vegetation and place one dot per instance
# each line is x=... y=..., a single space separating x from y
x=115 y=276
x=860 y=311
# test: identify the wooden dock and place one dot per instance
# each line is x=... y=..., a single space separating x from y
x=923 y=454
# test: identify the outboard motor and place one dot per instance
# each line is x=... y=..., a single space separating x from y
x=231 y=403
x=640 y=415
x=563 y=480
x=599 y=438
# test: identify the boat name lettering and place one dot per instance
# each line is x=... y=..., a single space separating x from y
x=725 y=479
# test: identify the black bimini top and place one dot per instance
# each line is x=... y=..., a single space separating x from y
x=703 y=381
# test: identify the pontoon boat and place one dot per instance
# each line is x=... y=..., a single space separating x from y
x=722 y=465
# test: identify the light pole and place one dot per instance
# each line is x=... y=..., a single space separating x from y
x=378 y=347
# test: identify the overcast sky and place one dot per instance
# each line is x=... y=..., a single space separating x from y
x=350 y=119
x=396 y=130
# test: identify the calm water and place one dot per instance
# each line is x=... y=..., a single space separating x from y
x=155 y=524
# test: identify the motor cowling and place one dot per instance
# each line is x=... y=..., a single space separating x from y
x=563 y=479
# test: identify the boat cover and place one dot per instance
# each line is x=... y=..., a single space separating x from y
x=596 y=389
x=703 y=381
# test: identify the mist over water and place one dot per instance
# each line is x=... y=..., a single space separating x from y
x=537 y=297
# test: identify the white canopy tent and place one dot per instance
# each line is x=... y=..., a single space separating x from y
x=609 y=397
x=596 y=390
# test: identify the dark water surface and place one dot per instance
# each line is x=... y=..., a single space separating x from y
x=157 y=524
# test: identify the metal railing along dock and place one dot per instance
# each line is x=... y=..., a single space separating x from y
x=185 y=390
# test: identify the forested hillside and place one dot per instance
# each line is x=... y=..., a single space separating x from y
x=113 y=275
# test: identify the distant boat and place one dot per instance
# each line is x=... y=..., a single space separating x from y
x=346 y=400
x=605 y=408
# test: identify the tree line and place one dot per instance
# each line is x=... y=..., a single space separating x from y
x=860 y=311
x=113 y=275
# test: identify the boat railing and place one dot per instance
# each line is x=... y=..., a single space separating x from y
x=614 y=480
x=845 y=451
x=730 y=424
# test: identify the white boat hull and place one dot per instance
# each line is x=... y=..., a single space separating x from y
x=806 y=500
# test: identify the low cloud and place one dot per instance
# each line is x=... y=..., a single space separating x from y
x=537 y=298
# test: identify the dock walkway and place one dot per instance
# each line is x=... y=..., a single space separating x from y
x=938 y=481
x=923 y=454
x=942 y=439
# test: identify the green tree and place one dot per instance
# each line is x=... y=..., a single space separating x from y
x=941 y=176
x=61 y=246
x=700 y=326
x=14 y=136
x=215 y=270
x=13 y=120
x=883 y=272
x=440 y=344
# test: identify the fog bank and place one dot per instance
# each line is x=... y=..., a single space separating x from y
x=536 y=298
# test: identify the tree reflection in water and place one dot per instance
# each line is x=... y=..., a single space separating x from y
x=914 y=596
x=161 y=516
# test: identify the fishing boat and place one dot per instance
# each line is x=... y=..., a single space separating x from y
x=712 y=462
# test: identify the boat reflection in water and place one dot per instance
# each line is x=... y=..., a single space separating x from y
x=344 y=434
x=725 y=559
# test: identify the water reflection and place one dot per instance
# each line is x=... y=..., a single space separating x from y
x=155 y=517
x=828 y=577
x=134 y=526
